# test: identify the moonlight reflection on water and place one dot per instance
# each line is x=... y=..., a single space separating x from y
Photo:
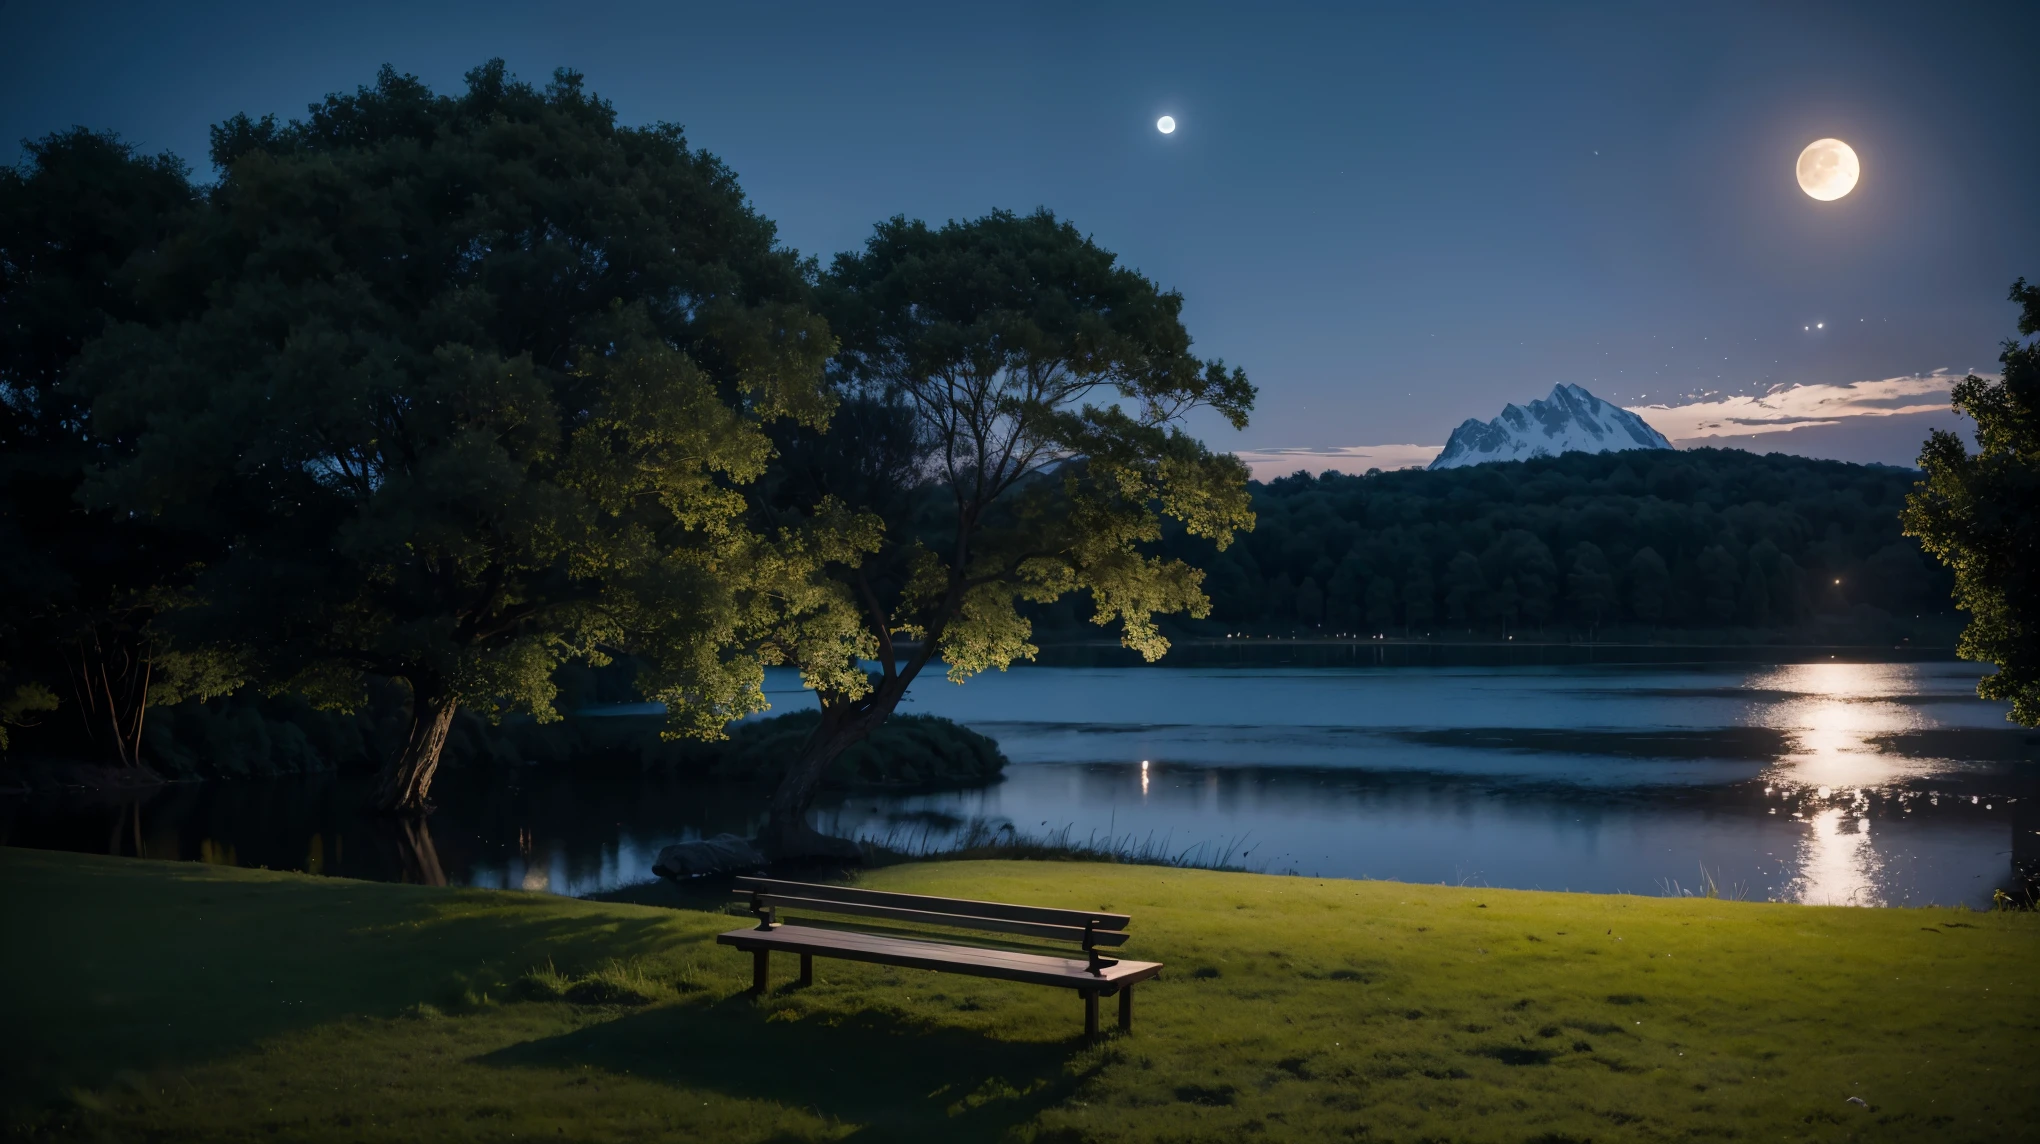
x=1838 y=709
x=1835 y=711
x=1840 y=716
x=1837 y=864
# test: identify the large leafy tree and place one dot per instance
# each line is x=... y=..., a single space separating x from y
x=463 y=388
x=1979 y=513
x=81 y=588
x=1013 y=407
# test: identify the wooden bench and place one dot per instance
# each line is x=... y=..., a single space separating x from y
x=1091 y=975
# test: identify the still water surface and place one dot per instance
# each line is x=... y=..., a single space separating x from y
x=1845 y=783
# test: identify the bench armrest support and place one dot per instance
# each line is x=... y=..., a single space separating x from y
x=1098 y=964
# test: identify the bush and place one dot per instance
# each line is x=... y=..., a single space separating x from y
x=247 y=735
x=907 y=750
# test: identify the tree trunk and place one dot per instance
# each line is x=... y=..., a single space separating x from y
x=110 y=678
x=787 y=834
x=407 y=779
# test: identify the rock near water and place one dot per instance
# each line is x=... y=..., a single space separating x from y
x=1570 y=420
x=723 y=854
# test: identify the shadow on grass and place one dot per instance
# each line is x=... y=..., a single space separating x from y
x=117 y=963
x=898 y=1080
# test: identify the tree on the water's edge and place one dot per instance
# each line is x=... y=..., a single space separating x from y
x=465 y=387
x=1012 y=402
x=1980 y=515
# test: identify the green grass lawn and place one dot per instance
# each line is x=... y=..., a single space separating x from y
x=165 y=1001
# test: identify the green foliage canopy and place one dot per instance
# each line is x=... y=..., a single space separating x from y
x=1020 y=397
x=999 y=334
x=1979 y=514
x=463 y=386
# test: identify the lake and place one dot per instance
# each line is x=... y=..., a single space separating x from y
x=1819 y=782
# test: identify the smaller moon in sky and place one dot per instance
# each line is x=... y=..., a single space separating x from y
x=1165 y=124
x=1828 y=169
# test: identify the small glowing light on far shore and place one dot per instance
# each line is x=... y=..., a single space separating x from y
x=1166 y=124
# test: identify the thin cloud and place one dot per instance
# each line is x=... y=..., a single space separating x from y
x=1267 y=464
x=1800 y=407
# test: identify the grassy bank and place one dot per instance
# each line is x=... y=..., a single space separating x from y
x=186 y=1002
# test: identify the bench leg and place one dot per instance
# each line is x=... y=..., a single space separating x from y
x=1090 y=1015
x=807 y=970
x=1126 y=1009
x=761 y=971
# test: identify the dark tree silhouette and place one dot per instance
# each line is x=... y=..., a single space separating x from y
x=1649 y=580
x=1979 y=514
x=82 y=588
x=1590 y=585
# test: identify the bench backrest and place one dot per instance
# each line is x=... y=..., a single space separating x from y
x=1089 y=929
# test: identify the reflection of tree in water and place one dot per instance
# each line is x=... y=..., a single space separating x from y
x=129 y=816
x=417 y=857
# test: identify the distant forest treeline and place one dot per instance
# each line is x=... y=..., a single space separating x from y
x=1701 y=539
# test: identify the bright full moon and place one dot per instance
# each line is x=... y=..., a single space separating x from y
x=1828 y=169
x=1165 y=124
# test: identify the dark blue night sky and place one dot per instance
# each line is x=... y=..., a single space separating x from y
x=1392 y=219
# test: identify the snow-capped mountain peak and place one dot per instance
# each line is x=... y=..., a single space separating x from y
x=1570 y=420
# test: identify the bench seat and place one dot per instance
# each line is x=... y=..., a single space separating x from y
x=914 y=953
x=1090 y=977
